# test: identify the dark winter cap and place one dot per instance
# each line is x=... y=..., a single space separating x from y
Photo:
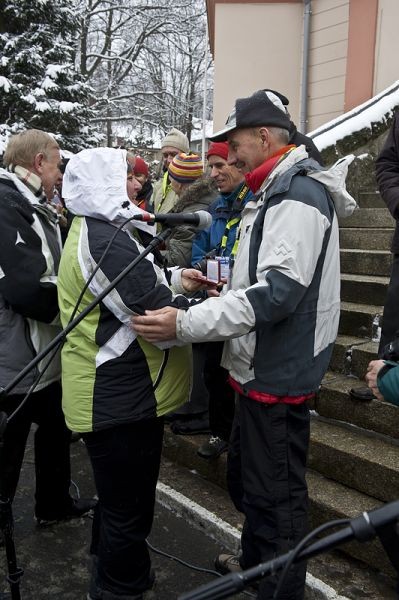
x=264 y=107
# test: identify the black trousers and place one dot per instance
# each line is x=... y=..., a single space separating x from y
x=125 y=462
x=51 y=443
x=221 y=394
x=390 y=320
x=266 y=479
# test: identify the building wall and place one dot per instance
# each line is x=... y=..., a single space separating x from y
x=387 y=45
x=250 y=40
x=327 y=60
x=354 y=50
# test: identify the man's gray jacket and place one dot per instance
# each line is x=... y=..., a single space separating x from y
x=280 y=316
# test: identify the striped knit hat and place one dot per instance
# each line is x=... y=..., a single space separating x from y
x=186 y=168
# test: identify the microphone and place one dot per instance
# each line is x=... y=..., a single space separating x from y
x=201 y=219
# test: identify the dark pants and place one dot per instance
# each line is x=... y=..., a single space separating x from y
x=390 y=320
x=221 y=394
x=266 y=479
x=125 y=462
x=51 y=442
x=198 y=403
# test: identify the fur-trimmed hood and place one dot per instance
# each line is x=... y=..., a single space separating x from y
x=200 y=194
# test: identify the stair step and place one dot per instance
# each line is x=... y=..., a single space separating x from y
x=334 y=402
x=379 y=217
x=357 y=318
x=365 y=238
x=364 y=289
x=364 y=262
x=356 y=458
x=370 y=200
x=347 y=576
x=362 y=351
x=328 y=499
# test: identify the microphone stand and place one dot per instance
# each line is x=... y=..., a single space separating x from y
x=6 y=517
x=381 y=522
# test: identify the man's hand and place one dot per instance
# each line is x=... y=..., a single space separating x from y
x=373 y=369
x=193 y=280
x=156 y=325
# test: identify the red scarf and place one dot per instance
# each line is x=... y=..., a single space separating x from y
x=255 y=178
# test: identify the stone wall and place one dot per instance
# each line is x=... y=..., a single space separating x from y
x=365 y=144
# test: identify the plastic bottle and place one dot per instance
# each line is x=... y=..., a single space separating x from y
x=376 y=329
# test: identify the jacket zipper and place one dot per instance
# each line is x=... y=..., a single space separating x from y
x=161 y=370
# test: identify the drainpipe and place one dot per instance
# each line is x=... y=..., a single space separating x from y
x=307 y=12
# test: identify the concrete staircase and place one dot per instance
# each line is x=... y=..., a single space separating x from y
x=354 y=450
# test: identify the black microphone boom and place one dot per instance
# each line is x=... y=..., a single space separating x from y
x=201 y=219
x=381 y=522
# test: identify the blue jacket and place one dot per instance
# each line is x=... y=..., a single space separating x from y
x=222 y=210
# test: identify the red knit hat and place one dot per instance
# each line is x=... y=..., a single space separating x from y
x=140 y=167
x=218 y=149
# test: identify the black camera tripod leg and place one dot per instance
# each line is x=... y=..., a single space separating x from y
x=7 y=528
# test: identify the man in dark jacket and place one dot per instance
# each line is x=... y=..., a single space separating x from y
x=387 y=171
x=30 y=248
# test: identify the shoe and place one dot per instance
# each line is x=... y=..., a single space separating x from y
x=191 y=426
x=213 y=448
x=227 y=563
x=361 y=393
x=77 y=509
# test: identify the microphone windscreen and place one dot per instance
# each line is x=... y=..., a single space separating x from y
x=205 y=219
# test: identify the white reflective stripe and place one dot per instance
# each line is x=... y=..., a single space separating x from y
x=328 y=303
x=115 y=346
x=2 y=274
x=49 y=274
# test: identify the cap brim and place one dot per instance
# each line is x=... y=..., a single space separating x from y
x=221 y=136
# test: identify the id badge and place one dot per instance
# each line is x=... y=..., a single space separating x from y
x=213 y=270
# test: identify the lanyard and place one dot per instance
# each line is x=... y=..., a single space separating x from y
x=243 y=192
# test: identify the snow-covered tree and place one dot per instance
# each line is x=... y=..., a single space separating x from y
x=146 y=60
x=40 y=86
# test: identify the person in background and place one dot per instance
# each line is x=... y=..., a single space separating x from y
x=30 y=250
x=219 y=240
x=387 y=173
x=163 y=197
x=117 y=387
x=194 y=192
x=142 y=174
x=133 y=185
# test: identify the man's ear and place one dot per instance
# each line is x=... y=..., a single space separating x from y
x=264 y=134
x=38 y=163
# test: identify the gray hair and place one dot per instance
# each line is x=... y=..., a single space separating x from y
x=282 y=135
x=23 y=147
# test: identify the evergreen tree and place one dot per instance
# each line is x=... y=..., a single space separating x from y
x=39 y=85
